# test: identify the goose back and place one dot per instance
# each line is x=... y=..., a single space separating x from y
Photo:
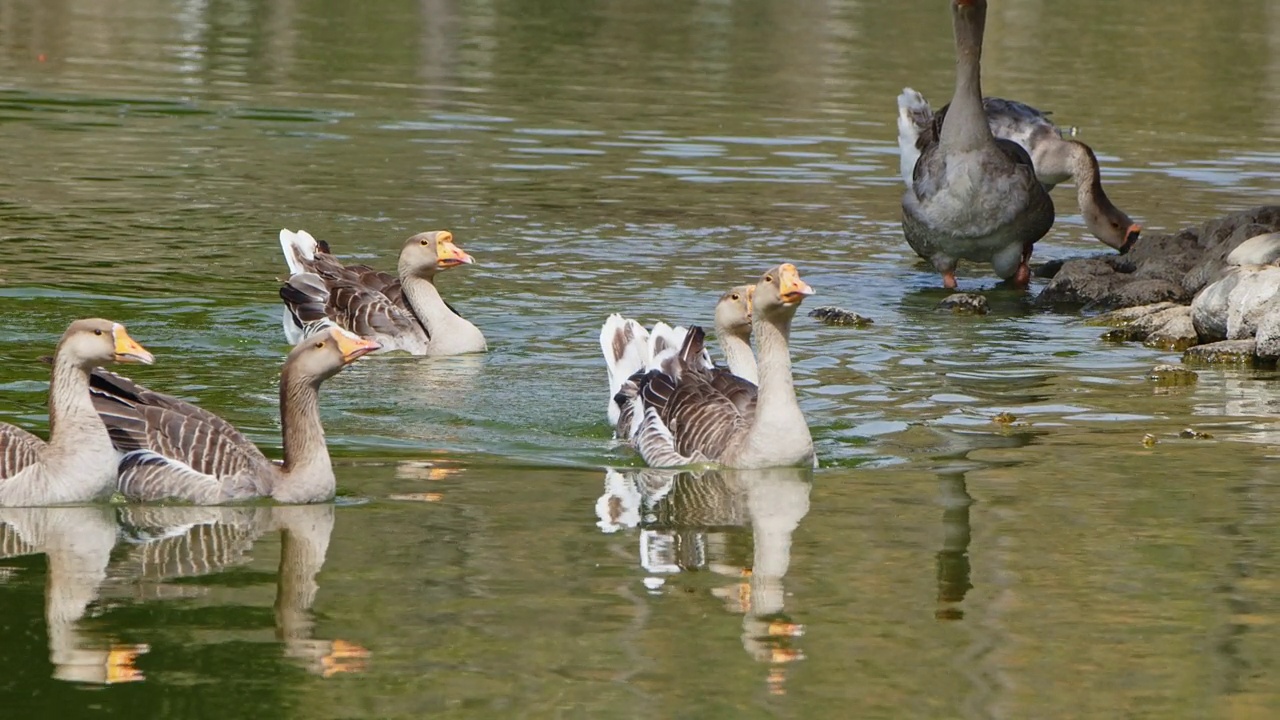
x=174 y=449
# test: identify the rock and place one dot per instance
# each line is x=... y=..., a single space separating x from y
x=1193 y=434
x=1257 y=250
x=1170 y=375
x=1164 y=325
x=832 y=315
x=1251 y=299
x=1209 y=309
x=1177 y=333
x=1267 y=340
x=965 y=304
x=1129 y=315
x=1226 y=352
x=1171 y=267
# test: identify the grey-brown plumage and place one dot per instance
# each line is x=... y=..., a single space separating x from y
x=174 y=449
x=689 y=417
x=972 y=196
x=78 y=463
x=630 y=352
x=400 y=312
x=1056 y=159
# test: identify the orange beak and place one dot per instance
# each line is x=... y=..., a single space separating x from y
x=790 y=286
x=352 y=346
x=1130 y=237
x=449 y=255
x=128 y=349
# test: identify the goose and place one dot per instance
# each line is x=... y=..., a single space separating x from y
x=971 y=196
x=402 y=312
x=629 y=349
x=685 y=418
x=1056 y=159
x=78 y=463
x=175 y=450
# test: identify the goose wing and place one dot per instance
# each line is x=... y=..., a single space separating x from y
x=19 y=449
x=174 y=449
x=686 y=418
x=310 y=300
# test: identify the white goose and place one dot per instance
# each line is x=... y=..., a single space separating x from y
x=685 y=418
x=400 y=312
x=78 y=463
x=630 y=349
x=971 y=196
x=175 y=450
x=1056 y=158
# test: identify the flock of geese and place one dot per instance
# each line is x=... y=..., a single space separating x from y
x=977 y=172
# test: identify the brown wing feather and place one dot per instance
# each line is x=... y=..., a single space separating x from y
x=176 y=430
x=18 y=449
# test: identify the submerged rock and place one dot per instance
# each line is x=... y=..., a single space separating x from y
x=965 y=304
x=1225 y=352
x=1170 y=267
x=832 y=315
x=1172 y=375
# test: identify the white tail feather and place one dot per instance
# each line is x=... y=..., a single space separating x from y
x=631 y=339
x=911 y=108
x=297 y=246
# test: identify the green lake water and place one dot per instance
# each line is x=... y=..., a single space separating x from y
x=491 y=554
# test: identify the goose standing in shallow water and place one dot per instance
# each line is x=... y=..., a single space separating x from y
x=175 y=450
x=400 y=312
x=78 y=463
x=973 y=197
x=1056 y=159
x=629 y=350
x=685 y=418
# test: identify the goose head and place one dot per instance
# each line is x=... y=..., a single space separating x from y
x=93 y=342
x=733 y=311
x=1109 y=224
x=426 y=254
x=322 y=355
x=779 y=293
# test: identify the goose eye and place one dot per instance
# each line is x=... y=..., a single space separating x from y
x=97 y=332
x=735 y=296
x=320 y=344
x=768 y=278
x=424 y=243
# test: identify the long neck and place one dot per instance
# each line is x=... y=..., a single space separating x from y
x=72 y=419
x=779 y=434
x=737 y=353
x=1088 y=179
x=965 y=126
x=307 y=474
x=447 y=332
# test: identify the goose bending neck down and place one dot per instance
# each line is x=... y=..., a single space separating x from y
x=1056 y=159
x=401 y=312
x=78 y=463
x=686 y=418
x=175 y=450
x=630 y=350
x=973 y=197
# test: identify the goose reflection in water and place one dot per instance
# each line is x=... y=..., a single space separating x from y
x=169 y=543
x=78 y=542
x=684 y=520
